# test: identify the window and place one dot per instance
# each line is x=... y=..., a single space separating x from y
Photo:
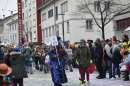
x=10 y=38
x=56 y=13
x=15 y=37
x=10 y=28
x=30 y=35
x=43 y=16
x=25 y=3
x=34 y=10
x=46 y=32
x=64 y=7
x=15 y=26
x=88 y=24
x=35 y=35
x=30 y=25
x=26 y=13
x=33 y=0
x=107 y=5
x=97 y=6
x=68 y=29
x=50 y=13
x=43 y=33
x=23 y=16
x=22 y=5
x=34 y=22
x=49 y=31
x=29 y=12
x=29 y=2
x=53 y=30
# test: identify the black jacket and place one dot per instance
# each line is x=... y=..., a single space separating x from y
x=98 y=51
x=91 y=51
x=117 y=57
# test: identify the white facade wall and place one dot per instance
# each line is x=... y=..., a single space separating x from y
x=13 y=33
x=29 y=19
x=77 y=26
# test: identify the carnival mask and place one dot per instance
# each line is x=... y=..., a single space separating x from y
x=81 y=43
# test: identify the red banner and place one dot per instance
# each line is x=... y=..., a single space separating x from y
x=20 y=32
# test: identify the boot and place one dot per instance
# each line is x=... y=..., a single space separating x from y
x=31 y=70
x=37 y=67
x=66 y=66
x=70 y=68
x=127 y=76
x=41 y=67
x=45 y=69
x=126 y=79
x=27 y=69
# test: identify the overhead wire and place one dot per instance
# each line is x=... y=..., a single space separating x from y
x=14 y=6
x=5 y=7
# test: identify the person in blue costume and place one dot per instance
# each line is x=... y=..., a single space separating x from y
x=56 y=64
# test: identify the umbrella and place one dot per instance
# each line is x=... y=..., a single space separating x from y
x=128 y=29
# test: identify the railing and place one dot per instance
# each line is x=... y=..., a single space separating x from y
x=45 y=1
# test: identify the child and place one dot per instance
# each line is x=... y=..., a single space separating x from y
x=4 y=72
x=126 y=61
x=47 y=62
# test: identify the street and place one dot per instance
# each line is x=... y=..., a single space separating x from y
x=41 y=79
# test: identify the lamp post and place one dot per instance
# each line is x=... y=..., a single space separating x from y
x=63 y=26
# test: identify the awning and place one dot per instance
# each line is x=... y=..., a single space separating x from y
x=128 y=29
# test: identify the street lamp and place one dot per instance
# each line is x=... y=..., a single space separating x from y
x=63 y=25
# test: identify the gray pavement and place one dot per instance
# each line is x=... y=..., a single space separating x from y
x=41 y=79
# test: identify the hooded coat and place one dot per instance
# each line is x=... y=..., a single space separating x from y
x=83 y=56
x=18 y=64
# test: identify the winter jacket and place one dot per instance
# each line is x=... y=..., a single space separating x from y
x=7 y=59
x=18 y=64
x=117 y=57
x=83 y=56
x=98 y=51
x=116 y=47
x=128 y=61
x=92 y=52
x=108 y=54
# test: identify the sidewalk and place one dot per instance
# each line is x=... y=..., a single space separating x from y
x=41 y=79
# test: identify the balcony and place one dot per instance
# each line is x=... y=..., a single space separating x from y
x=44 y=3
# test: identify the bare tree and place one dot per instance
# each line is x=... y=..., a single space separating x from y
x=26 y=32
x=102 y=11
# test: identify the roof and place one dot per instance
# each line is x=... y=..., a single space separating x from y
x=2 y=21
x=122 y=13
x=44 y=4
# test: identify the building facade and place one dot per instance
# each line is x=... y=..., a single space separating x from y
x=55 y=12
x=31 y=21
x=8 y=28
x=13 y=30
x=122 y=22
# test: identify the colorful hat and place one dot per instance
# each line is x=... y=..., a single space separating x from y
x=17 y=49
x=4 y=70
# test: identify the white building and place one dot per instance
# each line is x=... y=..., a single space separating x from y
x=13 y=30
x=5 y=32
x=31 y=26
x=74 y=28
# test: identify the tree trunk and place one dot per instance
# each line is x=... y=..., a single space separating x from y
x=103 y=33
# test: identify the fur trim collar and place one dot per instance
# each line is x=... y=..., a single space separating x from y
x=15 y=53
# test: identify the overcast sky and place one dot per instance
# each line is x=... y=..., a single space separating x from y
x=11 y=5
